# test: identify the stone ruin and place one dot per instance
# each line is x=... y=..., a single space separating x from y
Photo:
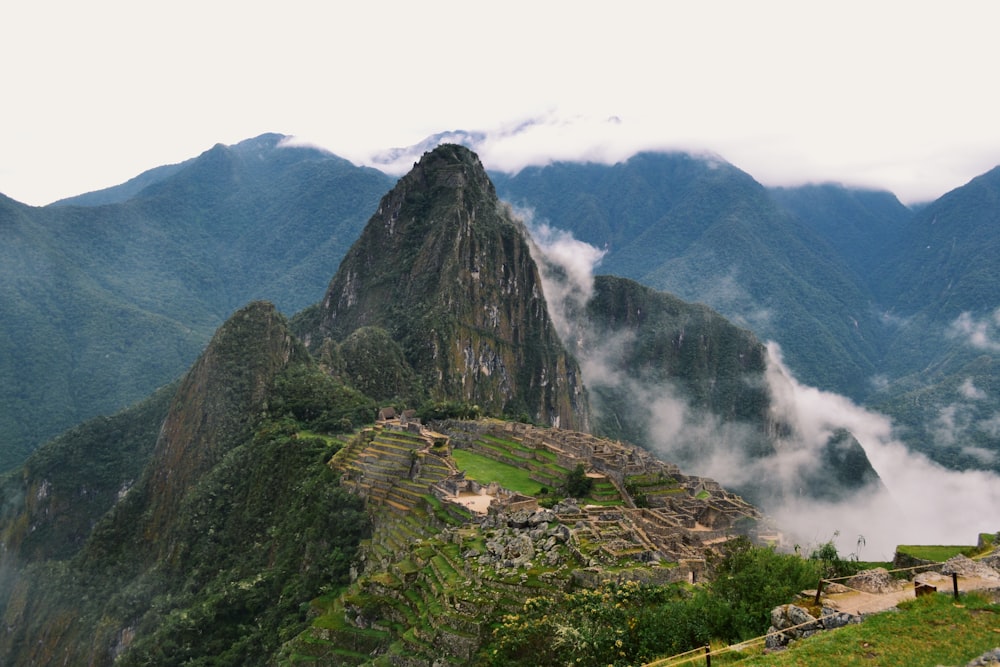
x=677 y=526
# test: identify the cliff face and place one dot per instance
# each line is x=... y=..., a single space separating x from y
x=655 y=345
x=227 y=492
x=682 y=380
x=216 y=404
x=444 y=268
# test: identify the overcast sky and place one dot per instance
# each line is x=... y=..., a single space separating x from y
x=895 y=95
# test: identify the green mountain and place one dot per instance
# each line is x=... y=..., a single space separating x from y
x=707 y=232
x=947 y=263
x=220 y=523
x=895 y=308
x=655 y=339
x=865 y=227
x=446 y=271
x=942 y=362
x=932 y=276
x=103 y=303
x=252 y=514
x=688 y=384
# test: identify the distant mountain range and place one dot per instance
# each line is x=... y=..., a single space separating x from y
x=897 y=309
x=202 y=524
x=111 y=294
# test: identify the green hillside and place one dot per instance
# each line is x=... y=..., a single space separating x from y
x=103 y=303
x=707 y=232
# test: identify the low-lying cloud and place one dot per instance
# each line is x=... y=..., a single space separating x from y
x=919 y=501
x=980 y=333
x=922 y=503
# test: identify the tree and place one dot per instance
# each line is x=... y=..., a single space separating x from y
x=748 y=581
x=578 y=484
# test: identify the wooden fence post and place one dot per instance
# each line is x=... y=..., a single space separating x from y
x=708 y=656
x=954 y=584
x=819 y=591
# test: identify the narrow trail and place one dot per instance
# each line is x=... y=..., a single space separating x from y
x=860 y=602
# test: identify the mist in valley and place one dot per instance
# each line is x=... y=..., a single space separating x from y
x=918 y=501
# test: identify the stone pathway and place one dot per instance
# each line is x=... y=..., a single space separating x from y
x=860 y=602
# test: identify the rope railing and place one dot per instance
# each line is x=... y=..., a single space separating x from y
x=830 y=580
x=707 y=652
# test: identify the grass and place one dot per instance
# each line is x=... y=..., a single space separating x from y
x=938 y=553
x=928 y=631
x=485 y=470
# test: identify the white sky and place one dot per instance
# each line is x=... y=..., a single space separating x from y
x=897 y=95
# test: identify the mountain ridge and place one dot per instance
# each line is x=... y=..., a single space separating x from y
x=241 y=525
x=446 y=270
x=102 y=304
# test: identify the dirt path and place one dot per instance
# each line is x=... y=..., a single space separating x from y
x=860 y=602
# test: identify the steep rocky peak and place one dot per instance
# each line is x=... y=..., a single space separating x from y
x=216 y=403
x=444 y=268
x=452 y=167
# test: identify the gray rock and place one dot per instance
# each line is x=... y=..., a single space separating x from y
x=966 y=567
x=541 y=516
x=560 y=532
x=877 y=580
x=775 y=640
x=833 y=619
x=988 y=658
x=794 y=622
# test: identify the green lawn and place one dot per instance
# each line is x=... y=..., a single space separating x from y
x=938 y=553
x=928 y=631
x=485 y=470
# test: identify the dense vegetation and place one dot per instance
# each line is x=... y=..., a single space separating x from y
x=269 y=530
x=265 y=532
x=631 y=623
x=890 y=306
x=228 y=523
x=101 y=304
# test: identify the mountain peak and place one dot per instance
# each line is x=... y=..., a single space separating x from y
x=209 y=411
x=450 y=167
x=446 y=271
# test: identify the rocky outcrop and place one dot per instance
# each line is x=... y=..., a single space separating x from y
x=213 y=406
x=877 y=580
x=986 y=659
x=791 y=622
x=966 y=567
x=445 y=269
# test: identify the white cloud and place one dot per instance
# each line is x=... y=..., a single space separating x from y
x=567 y=268
x=985 y=456
x=771 y=87
x=980 y=333
x=970 y=391
x=921 y=502
x=924 y=503
x=991 y=426
x=950 y=423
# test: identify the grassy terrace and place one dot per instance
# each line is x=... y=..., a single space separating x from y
x=485 y=470
x=928 y=631
x=938 y=553
x=513 y=448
